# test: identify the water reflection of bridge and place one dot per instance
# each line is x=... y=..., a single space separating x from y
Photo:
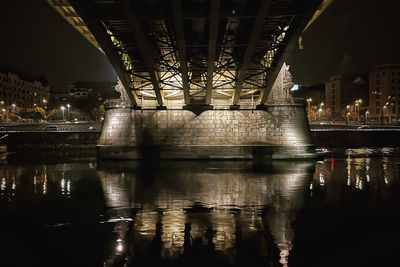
x=173 y=210
x=227 y=210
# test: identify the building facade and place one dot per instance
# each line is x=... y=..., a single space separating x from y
x=342 y=92
x=384 y=92
x=20 y=91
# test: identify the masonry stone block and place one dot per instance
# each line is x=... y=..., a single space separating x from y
x=278 y=126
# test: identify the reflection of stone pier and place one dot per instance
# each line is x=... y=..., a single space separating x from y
x=218 y=209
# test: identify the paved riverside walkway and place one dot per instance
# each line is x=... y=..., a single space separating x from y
x=50 y=127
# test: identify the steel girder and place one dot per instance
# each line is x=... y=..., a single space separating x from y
x=195 y=49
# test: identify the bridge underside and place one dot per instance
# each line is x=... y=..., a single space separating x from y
x=172 y=53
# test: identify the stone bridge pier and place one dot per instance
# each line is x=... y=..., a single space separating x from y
x=279 y=130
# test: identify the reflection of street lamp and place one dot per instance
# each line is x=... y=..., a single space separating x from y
x=62 y=109
x=68 y=106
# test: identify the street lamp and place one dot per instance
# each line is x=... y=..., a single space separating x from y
x=309 y=102
x=366 y=116
x=62 y=109
x=309 y=107
x=383 y=114
x=320 y=110
x=68 y=106
x=4 y=114
x=357 y=107
x=13 y=105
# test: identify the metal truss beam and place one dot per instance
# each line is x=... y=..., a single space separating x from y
x=144 y=47
x=181 y=44
x=254 y=36
x=100 y=33
x=293 y=34
x=212 y=45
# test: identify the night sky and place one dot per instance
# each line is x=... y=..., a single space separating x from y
x=350 y=37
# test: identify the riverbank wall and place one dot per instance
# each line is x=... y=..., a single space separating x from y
x=342 y=138
x=83 y=140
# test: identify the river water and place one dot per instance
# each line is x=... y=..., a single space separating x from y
x=73 y=210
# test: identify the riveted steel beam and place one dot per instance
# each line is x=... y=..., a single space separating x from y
x=212 y=45
x=292 y=35
x=100 y=33
x=144 y=47
x=254 y=36
x=181 y=45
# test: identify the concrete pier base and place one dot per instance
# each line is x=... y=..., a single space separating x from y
x=279 y=131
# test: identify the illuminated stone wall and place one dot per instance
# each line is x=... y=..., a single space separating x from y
x=282 y=124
